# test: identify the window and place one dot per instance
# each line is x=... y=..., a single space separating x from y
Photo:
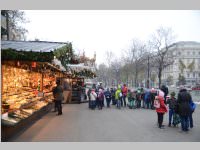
x=193 y=52
x=188 y=75
x=188 y=61
x=193 y=74
x=188 y=53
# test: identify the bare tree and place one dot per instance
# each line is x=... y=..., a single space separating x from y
x=14 y=21
x=161 y=41
x=101 y=73
x=109 y=56
x=134 y=56
x=116 y=66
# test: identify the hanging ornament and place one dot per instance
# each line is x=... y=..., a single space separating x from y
x=18 y=63
x=33 y=64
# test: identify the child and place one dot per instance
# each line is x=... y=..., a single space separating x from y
x=172 y=103
x=130 y=99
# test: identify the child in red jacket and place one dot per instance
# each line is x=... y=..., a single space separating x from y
x=161 y=109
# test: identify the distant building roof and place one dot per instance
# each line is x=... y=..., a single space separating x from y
x=185 y=44
x=35 y=46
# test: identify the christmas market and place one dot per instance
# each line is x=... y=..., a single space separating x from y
x=29 y=73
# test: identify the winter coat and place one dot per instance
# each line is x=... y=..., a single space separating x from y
x=172 y=103
x=152 y=96
x=107 y=94
x=93 y=96
x=117 y=94
x=113 y=93
x=183 y=101
x=163 y=108
x=165 y=90
x=124 y=91
x=58 y=93
x=147 y=96
x=100 y=96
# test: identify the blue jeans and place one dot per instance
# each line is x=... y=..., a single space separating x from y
x=118 y=104
x=92 y=104
x=171 y=113
x=185 y=123
x=113 y=100
x=124 y=100
x=148 y=104
x=108 y=102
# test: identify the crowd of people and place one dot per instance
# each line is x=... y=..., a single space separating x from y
x=180 y=109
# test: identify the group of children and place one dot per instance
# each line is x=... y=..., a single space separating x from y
x=139 y=98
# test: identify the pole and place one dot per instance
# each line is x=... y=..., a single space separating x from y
x=148 y=69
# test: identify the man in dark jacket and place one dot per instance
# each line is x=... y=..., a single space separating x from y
x=184 y=110
x=58 y=96
x=165 y=90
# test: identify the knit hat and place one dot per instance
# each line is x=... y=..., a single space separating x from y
x=173 y=94
x=161 y=93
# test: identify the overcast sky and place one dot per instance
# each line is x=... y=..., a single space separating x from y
x=109 y=30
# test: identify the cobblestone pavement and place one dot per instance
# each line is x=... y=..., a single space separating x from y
x=79 y=124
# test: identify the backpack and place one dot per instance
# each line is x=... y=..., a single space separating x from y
x=120 y=94
x=192 y=106
x=156 y=104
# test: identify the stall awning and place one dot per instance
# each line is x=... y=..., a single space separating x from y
x=41 y=51
x=34 y=46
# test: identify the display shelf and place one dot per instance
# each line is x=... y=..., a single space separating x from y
x=9 y=130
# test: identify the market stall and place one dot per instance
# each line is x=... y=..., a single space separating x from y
x=79 y=73
x=27 y=82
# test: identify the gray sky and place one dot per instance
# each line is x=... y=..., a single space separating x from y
x=112 y=30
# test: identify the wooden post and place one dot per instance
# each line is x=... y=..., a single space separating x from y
x=42 y=83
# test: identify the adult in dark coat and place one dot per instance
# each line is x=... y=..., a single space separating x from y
x=58 y=96
x=184 y=110
x=165 y=90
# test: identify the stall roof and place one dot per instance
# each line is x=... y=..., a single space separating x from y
x=80 y=67
x=58 y=62
x=35 y=46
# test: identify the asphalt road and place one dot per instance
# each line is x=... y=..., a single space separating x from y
x=79 y=124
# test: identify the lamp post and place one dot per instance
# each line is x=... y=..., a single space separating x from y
x=148 y=72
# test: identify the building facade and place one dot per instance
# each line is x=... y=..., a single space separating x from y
x=186 y=66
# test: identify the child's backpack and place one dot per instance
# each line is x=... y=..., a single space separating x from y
x=156 y=103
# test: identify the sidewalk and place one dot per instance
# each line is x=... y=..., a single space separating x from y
x=79 y=124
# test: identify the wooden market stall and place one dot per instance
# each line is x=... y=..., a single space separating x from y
x=27 y=82
x=79 y=73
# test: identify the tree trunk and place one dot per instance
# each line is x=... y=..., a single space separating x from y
x=7 y=25
x=159 y=77
x=136 y=76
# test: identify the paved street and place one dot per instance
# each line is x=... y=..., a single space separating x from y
x=79 y=124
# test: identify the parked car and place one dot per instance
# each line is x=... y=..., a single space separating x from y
x=197 y=87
